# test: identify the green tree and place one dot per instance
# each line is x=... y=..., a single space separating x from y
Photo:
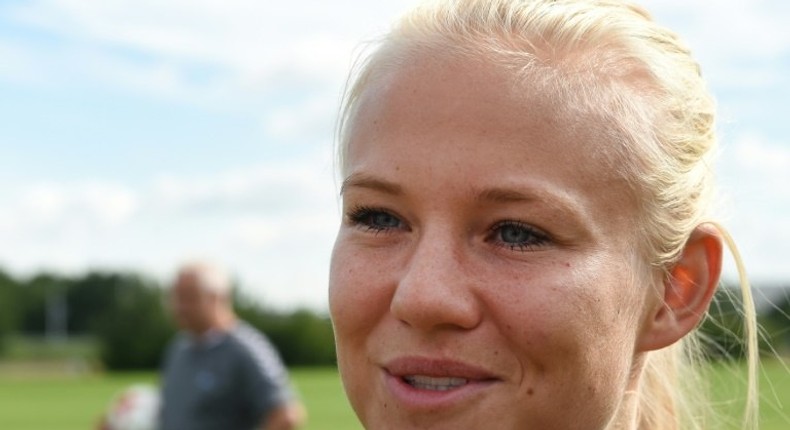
x=33 y=296
x=303 y=337
x=776 y=323
x=722 y=330
x=91 y=296
x=8 y=309
x=133 y=330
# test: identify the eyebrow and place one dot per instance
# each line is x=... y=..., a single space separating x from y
x=504 y=195
x=357 y=180
x=487 y=195
x=554 y=201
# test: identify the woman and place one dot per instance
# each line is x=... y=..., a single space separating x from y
x=525 y=242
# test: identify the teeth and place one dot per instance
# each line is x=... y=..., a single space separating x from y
x=431 y=383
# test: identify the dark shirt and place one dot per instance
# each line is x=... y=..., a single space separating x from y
x=225 y=381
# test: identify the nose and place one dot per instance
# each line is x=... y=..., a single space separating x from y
x=436 y=290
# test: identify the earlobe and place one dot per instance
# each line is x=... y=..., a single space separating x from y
x=688 y=290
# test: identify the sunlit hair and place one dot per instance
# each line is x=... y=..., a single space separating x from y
x=610 y=62
x=210 y=277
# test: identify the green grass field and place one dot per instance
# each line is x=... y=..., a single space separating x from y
x=728 y=387
x=32 y=399
x=43 y=398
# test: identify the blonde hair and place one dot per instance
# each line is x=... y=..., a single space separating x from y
x=609 y=59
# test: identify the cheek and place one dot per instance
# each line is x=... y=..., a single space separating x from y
x=562 y=318
x=574 y=342
x=357 y=298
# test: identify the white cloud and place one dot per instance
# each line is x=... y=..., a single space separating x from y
x=737 y=42
x=18 y=64
x=111 y=205
x=753 y=168
x=312 y=119
x=42 y=203
x=253 y=232
x=742 y=28
x=45 y=205
x=206 y=51
x=63 y=226
x=758 y=155
x=755 y=173
x=273 y=223
x=239 y=47
x=273 y=187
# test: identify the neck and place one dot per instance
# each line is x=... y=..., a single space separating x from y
x=221 y=320
x=627 y=415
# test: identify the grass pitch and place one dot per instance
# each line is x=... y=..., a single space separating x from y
x=40 y=397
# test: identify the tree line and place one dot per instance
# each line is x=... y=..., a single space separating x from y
x=126 y=314
x=722 y=331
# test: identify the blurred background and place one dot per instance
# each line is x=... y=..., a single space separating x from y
x=135 y=135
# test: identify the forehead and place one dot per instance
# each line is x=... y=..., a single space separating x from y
x=438 y=108
x=427 y=90
x=186 y=283
x=499 y=95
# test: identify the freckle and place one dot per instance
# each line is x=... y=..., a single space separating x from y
x=567 y=264
x=530 y=391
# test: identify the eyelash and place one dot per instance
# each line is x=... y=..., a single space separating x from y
x=536 y=238
x=362 y=217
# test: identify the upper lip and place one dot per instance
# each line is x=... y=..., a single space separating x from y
x=440 y=368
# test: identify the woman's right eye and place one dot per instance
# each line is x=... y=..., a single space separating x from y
x=376 y=220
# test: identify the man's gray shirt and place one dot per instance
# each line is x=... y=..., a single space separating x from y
x=228 y=381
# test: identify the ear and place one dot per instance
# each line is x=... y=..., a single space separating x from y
x=687 y=291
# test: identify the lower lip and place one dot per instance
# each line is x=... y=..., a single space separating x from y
x=421 y=399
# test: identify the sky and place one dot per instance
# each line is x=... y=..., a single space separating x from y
x=135 y=135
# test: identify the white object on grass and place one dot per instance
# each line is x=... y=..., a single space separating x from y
x=135 y=408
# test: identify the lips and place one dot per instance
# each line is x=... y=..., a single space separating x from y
x=437 y=375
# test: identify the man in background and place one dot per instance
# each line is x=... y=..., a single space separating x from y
x=220 y=373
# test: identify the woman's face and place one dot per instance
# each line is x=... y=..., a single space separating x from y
x=485 y=274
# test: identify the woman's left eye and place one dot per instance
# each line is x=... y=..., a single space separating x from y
x=376 y=220
x=518 y=236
